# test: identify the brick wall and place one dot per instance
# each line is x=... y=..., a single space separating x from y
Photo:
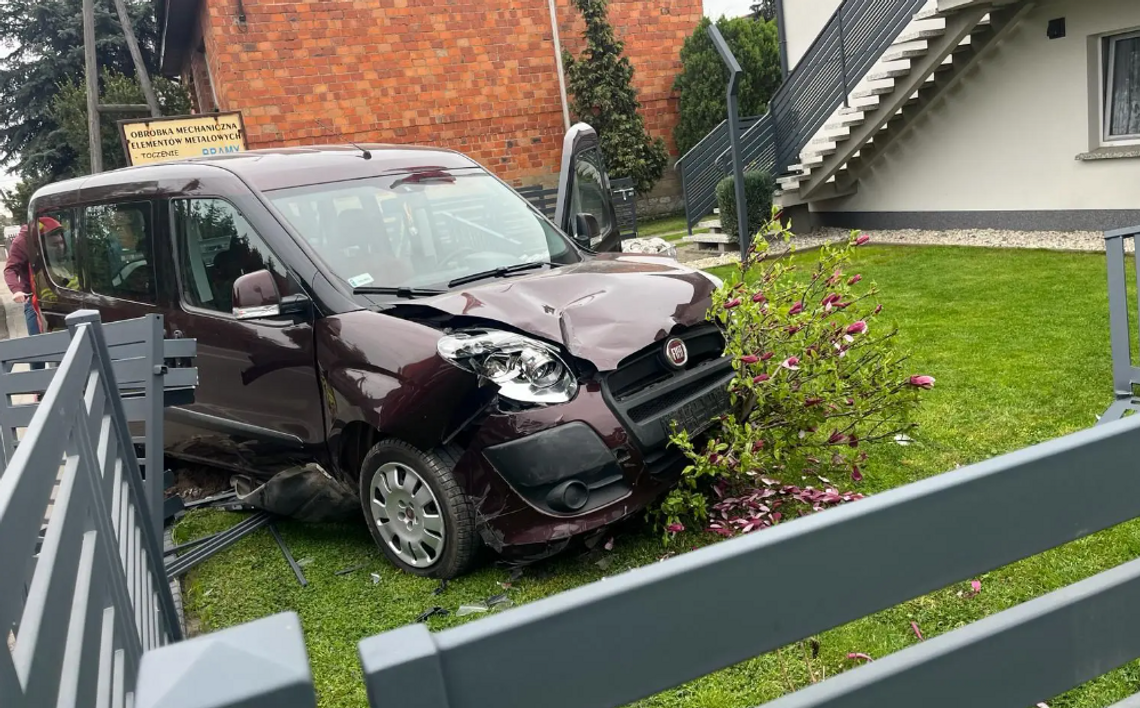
x=478 y=76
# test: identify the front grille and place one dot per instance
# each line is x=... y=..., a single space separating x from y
x=647 y=395
x=647 y=367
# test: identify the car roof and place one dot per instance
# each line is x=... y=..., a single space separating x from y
x=279 y=168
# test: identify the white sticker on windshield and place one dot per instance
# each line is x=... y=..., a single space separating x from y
x=360 y=280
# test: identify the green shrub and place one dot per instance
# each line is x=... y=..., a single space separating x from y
x=819 y=381
x=758 y=190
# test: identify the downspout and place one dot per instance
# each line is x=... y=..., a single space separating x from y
x=558 y=63
x=782 y=32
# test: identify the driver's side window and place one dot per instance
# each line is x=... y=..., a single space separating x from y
x=216 y=245
x=118 y=261
x=588 y=194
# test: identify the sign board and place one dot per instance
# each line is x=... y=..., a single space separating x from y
x=150 y=140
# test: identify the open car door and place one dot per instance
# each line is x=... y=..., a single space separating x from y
x=585 y=208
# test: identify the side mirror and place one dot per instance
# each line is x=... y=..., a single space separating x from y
x=255 y=296
x=586 y=228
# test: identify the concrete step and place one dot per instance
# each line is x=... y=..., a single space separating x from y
x=906 y=53
x=928 y=14
x=791 y=181
x=713 y=225
x=865 y=102
x=918 y=35
x=810 y=160
x=890 y=73
x=874 y=90
x=822 y=150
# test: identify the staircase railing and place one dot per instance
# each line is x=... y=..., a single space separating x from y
x=844 y=51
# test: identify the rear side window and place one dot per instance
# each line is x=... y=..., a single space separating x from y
x=118 y=260
x=57 y=244
x=216 y=245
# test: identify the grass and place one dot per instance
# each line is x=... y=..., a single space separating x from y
x=671 y=228
x=1018 y=341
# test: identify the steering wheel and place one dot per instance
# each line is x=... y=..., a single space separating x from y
x=461 y=251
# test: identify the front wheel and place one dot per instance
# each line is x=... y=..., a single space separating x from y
x=416 y=511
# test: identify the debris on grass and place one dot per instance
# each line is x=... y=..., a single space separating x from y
x=375 y=578
x=423 y=617
x=305 y=562
x=860 y=656
x=353 y=569
x=442 y=587
x=609 y=544
x=917 y=631
x=474 y=609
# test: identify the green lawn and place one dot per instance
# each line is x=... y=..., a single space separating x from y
x=671 y=228
x=1018 y=341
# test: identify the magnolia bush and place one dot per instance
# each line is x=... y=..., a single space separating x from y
x=818 y=380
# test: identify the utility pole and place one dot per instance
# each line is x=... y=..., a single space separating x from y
x=91 y=65
x=136 y=56
x=92 y=70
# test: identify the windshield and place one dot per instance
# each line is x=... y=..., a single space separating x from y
x=420 y=230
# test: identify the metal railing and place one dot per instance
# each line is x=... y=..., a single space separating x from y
x=98 y=596
x=1125 y=375
x=522 y=657
x=143 y=364
x=844 y=51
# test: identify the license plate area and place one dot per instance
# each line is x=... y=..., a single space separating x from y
x=698 y=415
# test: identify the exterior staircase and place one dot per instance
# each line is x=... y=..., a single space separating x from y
x=932 y=54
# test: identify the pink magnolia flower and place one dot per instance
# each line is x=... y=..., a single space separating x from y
x=854 y=279
x=917 y=631
x=767 y=355
x=856 y=474
x=792 y=363
x=675 y=528
x=749 y=359
x=860 y=656
x=761 y=378
x=794 y=328
x=758 y=446
x=835 y=277
x=857 y=327
x=864 y=238
x=759 y=297
x=797 y=308
x=836 y=438
x=833 y=297
x=812 y=401
x=732 y=303
x=926 y=382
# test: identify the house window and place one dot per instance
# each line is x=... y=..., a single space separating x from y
x=1122 y=89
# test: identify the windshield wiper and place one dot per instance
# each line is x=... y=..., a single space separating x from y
x=398 y=292
x=500 y=272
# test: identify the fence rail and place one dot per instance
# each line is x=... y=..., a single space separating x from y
x=98 y=596
x=846 y=565
x=843 y=52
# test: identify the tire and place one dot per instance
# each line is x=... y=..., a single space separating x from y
x=406 y=495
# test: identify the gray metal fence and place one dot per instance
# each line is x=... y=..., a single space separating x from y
x=882 y=551
x=98 y=596
x=844 y=51
x=150 y=371
x=1125 y=375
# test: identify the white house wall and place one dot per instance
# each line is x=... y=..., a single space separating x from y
x=803 y=21
x=1007 y=137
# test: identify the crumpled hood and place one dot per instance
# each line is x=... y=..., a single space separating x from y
x=602 y=310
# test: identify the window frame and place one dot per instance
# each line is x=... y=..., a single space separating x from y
x=1107 y=76
x=176 y=249
x=152 y=260
x=76 y=237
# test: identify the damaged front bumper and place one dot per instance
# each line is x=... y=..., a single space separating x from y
x=544 y=475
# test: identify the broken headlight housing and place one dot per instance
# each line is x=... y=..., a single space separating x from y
x=525 y=370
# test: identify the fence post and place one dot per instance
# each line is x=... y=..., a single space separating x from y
x=734 y=74
x=261 y=664
x=1118 y=315
x=401 y=668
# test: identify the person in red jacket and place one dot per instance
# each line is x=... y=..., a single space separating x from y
x=18 y=271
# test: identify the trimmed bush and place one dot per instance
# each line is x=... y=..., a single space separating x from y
x=759 y=187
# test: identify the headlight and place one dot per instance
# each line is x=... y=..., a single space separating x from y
x=524 y=369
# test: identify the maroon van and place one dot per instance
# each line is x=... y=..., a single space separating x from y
x=405 y=321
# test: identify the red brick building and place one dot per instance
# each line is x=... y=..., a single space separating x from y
x=477 y=76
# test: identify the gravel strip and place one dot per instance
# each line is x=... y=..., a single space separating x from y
x=1082 y=241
